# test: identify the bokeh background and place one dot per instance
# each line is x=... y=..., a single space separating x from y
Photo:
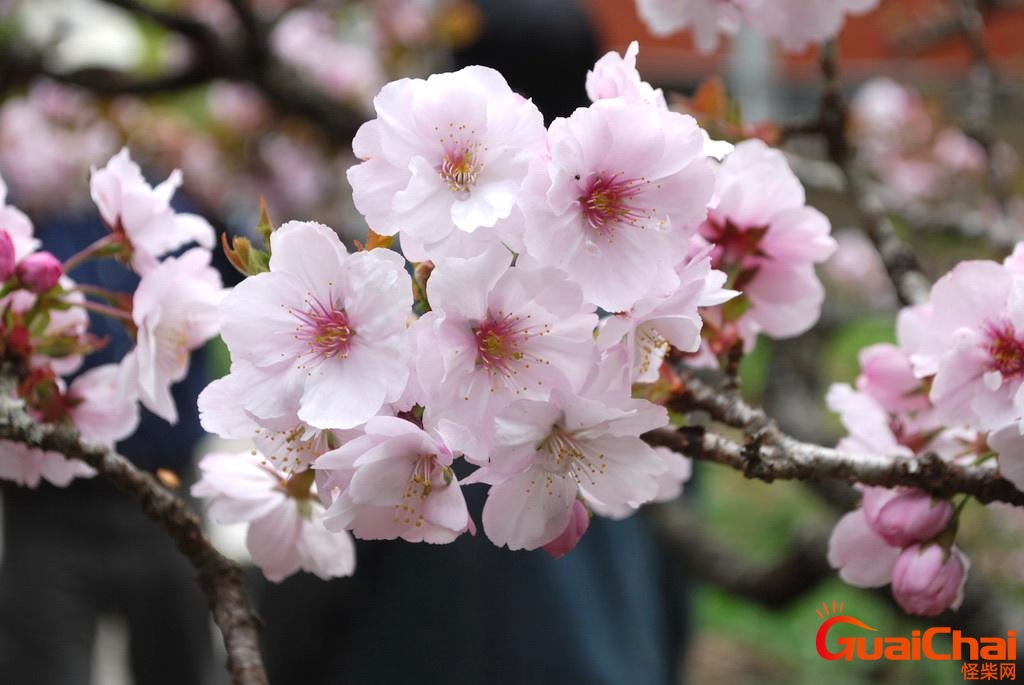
x=81 y=78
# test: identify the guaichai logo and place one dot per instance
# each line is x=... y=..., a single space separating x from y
x=913 y=648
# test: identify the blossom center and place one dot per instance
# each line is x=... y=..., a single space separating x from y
x=325 y=329
x=734 y=245
x=652 y=346
x=426 y=470
x=609 y=200
x=1005 y=348
x=567 y=455
x=459 y=169
x=497 y=344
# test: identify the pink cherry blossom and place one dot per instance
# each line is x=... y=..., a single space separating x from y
x=624 y=184
x=573 y=533
x=142 y=214
x=678 y=470
x=873 y=430
x=708 y=19
x=49 y=137
x=863 y=558
x=287 y=443
x=1008 y=443
x=761 y=229
x=615 y=75
x=28 y=466
x=549 y=453
x=286 y=532
x=323 y=333
x=497 y=333
x=654 y=324
x=928 y=579
x=974 y=346
x=309 y=40
x=106 y=408
x=887 y=376
x=175 y=309
x=394 y=482
x=857 y=267
x=17 y=226
x=447 y=155
x=800 y=23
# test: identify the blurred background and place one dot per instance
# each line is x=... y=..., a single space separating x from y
x=260 y=98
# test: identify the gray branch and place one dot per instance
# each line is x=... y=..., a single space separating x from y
x=221 y=580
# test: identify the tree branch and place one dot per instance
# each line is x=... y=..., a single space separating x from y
x=792 y=459
x=249 y=59
x=221 y=580
x=769 y=454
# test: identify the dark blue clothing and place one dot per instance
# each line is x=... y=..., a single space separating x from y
x=72 y=554
x=470 y=613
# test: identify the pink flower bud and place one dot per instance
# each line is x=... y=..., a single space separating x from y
x=6 y=256
x=566 y=541
x=926 y=580
x=911 y=516
x=39 y=271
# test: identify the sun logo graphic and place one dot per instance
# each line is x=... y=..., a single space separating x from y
x=914 y=648
x=822 y=640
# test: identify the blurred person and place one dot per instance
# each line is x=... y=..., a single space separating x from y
x=609 y=612
x=71 y=555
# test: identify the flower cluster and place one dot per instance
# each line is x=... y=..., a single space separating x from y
x=914 y=153
x=45 y=318
x=552 y=268
x=796 y=24
x=951 y=387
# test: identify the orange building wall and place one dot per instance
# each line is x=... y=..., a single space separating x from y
x=869 y=44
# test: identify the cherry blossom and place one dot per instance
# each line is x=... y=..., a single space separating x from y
x=105 y=407
x=761 y=229
x=323 y=333
x=708 y=19
x=800 y=23
x=446 y=154
x=624 y=186
x=286 y=532
x=175 y=309
x=549 y=453
x=142 y=215
x=573 y=533
x=973 y=348
x=287 y=443
x=863 y=558
x=497 y=333
x=616 y=75
x=654 y=324
x=16 y=225
x=395 y=481
x=28 y=466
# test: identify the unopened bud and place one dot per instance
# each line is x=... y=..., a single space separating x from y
x=39 y=271
x=6 y=256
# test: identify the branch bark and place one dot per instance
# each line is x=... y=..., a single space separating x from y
x=769 y=454
x=247 y=57
x=221 y=580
